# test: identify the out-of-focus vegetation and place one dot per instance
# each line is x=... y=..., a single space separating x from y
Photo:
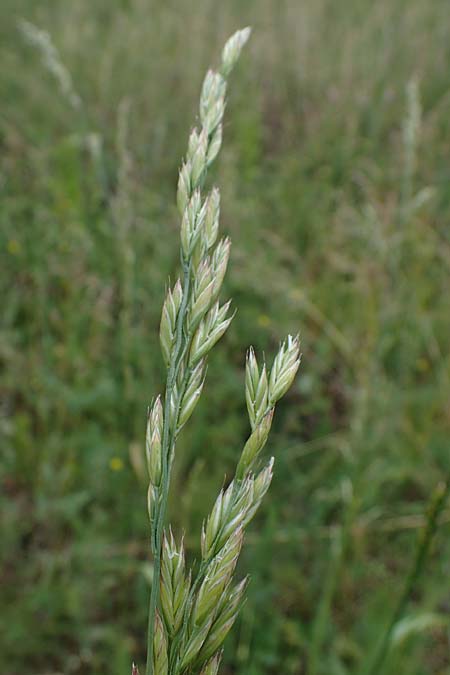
x=335 y=184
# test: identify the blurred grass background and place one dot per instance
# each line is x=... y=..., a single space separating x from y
x=335 y=186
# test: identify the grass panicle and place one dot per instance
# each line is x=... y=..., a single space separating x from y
x=191 y=615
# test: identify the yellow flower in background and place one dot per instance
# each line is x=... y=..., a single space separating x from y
x=116 y=464
x=13 y=247
x=422 y=364
x=296 y=294
x=263 y=320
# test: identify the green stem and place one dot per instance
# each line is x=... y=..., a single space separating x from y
x=167 y=444
x=436 y=505
x=322 y=615
x=338 y=549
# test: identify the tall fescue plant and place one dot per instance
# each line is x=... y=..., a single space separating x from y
x=191 y=611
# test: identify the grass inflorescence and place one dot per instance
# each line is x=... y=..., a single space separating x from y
x=191 y=613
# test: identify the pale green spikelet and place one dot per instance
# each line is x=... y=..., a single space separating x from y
x=168 y=320
x=254 y=445
x=217 y=577
x=284 y=368
x=194 y=644
x=197 y=156
x=160 y=655
x=227 y=612
x=152 y=502
x=212 y=218
x=228 y=514
x=237 y=514
x=174 y=584
x=219 y=264
x=192 y=394
x=203 y=294
x=212 y=101
x=232 y=50
x=184 y=186
x=214 y=145
x=192 y=223
x=256 y=389
x=213 y=524
x=153 y=442
x=210 y=330
x=260 y=486
x=212 y=666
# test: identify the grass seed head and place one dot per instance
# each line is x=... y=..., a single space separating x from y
x=197 y=617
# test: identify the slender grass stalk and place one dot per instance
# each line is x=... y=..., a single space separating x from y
x=436 y=505
x=191 y=614
x=121 y=205
x=88 y=140
x=411 y=134
x=322 y=615
x=42 y=41
x=338 y=547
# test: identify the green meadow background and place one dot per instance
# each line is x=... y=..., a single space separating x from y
x=335 y=182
